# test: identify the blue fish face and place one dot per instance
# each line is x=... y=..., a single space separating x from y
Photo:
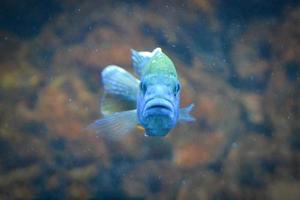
x=158 y=106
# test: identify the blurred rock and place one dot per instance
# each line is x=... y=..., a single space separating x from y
x=253 y=105
x=205 y=185
x=17 y=182
x=240 y=70
x=252 y=52
x=284 y=190
x=152 y=180
x=78 y=191
x=198 y=151
x=63 y=106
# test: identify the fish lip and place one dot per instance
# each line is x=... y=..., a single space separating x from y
x=158 y=103
x=154 y=133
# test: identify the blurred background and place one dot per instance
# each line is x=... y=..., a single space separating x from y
x=238 y=61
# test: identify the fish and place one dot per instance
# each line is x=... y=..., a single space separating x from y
x=150 y=102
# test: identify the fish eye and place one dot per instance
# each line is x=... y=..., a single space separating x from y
x=143 y=87
x=177 y=88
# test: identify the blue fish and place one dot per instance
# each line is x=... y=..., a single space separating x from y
x=152 y=103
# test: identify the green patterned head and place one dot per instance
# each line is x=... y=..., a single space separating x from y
x=160 y=64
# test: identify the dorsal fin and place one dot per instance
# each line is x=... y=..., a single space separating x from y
x=141 y=58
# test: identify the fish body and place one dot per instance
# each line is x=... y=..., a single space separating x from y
x=151 y=102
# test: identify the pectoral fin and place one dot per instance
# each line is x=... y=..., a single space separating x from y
x=184 y=114
x=120 y=82
x=115 y=125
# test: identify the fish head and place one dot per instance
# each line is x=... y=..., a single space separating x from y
x=158 y=104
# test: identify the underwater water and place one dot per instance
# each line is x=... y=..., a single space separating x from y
x=238 y=62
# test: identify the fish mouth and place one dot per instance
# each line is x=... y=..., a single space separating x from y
x=158 y=106
x=157 y=133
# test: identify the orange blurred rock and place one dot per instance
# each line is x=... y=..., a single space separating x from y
x=251 y=54
x=78 y=191
x=281 y=99
x=53 y=182
x=199 y=151
x=101 y=47
x=191 y=155
x=82 y=174
x=253 y=105
x=208 y=108
x=286 y=43
x=204 y=185
x=204 y=5
x=64 y=106
x=284 y=189
x=152 y=179
x=187 y=94
x=219 y=111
